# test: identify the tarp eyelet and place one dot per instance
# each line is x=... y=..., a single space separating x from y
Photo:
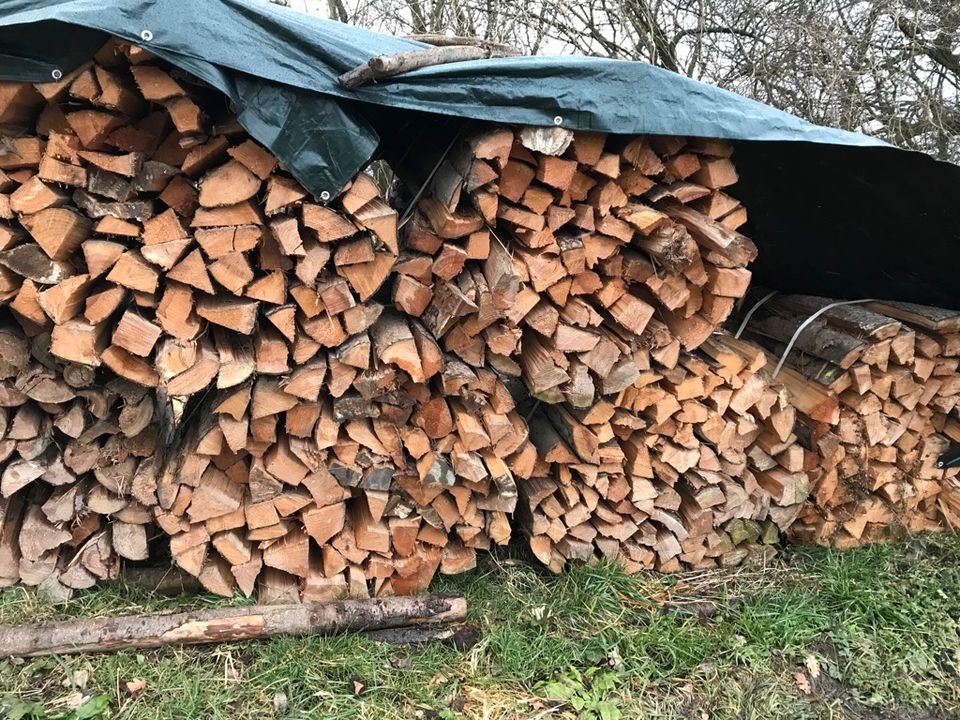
x=56 y=74
x=325 y=195
x=146 y=35
x=558 y=120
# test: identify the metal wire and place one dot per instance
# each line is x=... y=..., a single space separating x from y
x=806 y=323
x=746 y=318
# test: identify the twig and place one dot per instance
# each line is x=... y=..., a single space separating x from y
x=438 y=40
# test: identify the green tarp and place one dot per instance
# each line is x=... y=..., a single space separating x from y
x=280 y=68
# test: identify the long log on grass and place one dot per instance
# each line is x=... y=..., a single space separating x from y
x=230 y=624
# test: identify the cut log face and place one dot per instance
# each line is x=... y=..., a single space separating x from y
x=228 y=184
x=58 y=231
x=135 y=334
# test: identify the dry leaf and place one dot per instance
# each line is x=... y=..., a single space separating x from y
x=813 y=667
x=437 y=679
x=802 y=683
x=135 y=686
x=74 y=700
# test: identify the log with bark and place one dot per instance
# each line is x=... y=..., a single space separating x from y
x=226 y=624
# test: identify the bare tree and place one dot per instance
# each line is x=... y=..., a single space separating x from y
x=890 y=68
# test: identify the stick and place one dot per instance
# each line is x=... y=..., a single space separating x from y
x=231 y=624
x=438 y=40
x=387 y=66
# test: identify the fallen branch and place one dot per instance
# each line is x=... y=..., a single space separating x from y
x=438 y=40
x=231 y=624
x=387 y=66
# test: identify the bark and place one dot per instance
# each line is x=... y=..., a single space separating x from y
x=231 y=624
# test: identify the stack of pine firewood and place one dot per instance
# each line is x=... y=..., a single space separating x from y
x=610 y=261
x=876 y=386
x=572 y=259
x=388 y=492
x=77 y=449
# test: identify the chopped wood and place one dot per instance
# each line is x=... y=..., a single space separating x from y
x=305 y=396
x=228 y=184
x=232 y=313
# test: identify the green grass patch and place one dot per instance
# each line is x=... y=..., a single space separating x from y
x=874 y=632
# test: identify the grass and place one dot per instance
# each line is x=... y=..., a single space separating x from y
x=868 y=633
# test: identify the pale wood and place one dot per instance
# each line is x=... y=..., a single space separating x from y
x=228 y=625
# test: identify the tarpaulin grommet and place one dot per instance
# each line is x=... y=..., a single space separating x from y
x=325 y=195
x=146 y=35
x=557 y=120
x=56 y=74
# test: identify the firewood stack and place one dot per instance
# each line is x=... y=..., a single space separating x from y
x=388 y=491
x=75 y=452
x=317 y=400
x=691 y=467
x=162 y=238
x=593 y=267
x=876 y=387
x=323 y=443
x=572 y=259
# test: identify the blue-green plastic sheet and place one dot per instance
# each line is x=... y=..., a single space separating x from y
x=280 y=68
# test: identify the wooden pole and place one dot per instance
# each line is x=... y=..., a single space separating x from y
x=230 y=624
